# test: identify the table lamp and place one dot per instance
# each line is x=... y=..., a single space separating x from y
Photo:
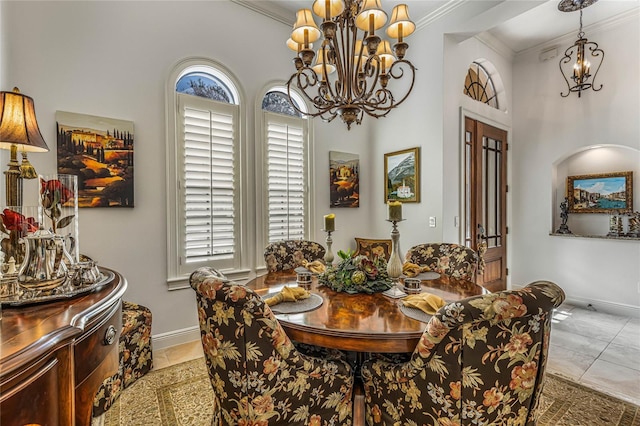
x=19 y=129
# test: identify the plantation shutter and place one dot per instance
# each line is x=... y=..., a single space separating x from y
x=209 y=174
x=286 y=181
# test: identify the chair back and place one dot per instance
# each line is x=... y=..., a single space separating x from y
x=449 y=259
x=373 y=248
x=257 y=375
x=289 y=254
x=480 y=360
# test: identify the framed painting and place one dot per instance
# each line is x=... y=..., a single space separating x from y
x=344 y=179
x=601 y=193
x=402 y=176
x=99 y=151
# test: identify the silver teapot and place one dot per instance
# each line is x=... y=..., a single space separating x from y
x=46 y=261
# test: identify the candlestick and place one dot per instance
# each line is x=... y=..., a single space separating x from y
x=328 y=256
x=395 y=211
x=330 y=222
x=394 y=266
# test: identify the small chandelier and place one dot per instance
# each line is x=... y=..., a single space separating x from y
x=351 y=72
x=579 y=60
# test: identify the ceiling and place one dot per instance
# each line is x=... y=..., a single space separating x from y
x=540 y=23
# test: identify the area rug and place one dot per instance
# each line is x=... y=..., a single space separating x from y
x=182 y=395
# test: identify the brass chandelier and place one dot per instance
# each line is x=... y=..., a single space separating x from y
x=582 y=57
x=353 y=65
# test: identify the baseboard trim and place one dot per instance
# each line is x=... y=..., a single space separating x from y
x=605 y=306
x=176 y=337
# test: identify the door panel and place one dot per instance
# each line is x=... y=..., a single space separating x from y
x=485 y=195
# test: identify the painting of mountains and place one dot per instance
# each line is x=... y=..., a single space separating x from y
x=402 y=176
x=100 y=152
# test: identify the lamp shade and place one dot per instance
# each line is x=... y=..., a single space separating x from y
x=18 y=124
x=305 y=29
x=400 y=25
x=321 y=59
x=335 y=8
x=371 y=11
x=385 y=54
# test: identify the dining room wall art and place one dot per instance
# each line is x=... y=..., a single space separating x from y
x=402 y=176
x=99 y=151
x=601 y=193
x=344 y=179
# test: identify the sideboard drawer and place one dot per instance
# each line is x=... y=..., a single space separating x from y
x=100 y=342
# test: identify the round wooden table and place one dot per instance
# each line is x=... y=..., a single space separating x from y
x=359 y=322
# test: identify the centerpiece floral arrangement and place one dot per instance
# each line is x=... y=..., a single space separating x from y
x=357 y=274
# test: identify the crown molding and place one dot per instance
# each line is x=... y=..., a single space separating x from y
x=600 y=26
x=277 y=14
x=439 y=13
x=495 y=44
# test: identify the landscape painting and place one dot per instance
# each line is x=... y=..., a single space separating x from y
x=601 y=193
x=344 y=179
x=100 y=152
x=402 y=176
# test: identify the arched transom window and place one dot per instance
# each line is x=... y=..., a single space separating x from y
x=479 y=86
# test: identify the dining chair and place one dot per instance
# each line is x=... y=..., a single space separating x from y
x=257 y=375
x=289 y=254
x=451 y=259
x=373 y=248
x=479 y=361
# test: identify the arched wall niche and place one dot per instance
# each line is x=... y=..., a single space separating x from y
x=601 y=158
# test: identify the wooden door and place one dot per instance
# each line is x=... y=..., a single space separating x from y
x=486 y=199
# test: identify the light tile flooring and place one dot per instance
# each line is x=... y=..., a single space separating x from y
x=599 y=350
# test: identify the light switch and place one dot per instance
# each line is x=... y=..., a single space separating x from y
x=432 y=222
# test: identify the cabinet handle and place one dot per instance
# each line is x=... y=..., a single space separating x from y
x=110 y=335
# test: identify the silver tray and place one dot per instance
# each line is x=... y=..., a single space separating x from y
x=65 y=291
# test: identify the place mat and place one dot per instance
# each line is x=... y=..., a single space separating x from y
x=428 y=275
x=414 y=313
x=314 y=301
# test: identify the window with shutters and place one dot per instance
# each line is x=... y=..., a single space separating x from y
x=204 y=223
x=286 y=169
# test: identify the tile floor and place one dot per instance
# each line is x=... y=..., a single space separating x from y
x=599 y=350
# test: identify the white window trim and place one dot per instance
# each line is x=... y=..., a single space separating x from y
x=261 y=219
x=177 y=277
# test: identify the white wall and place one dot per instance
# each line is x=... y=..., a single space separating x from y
x=113 y=59
x=547 y=129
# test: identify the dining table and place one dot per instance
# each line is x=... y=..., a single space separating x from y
x=359 y=322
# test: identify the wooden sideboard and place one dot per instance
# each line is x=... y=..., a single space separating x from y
x=55 y=355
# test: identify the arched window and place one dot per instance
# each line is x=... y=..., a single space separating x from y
x=478 y=85
x=287 y=171
x=203 y=184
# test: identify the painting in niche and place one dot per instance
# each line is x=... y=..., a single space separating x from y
x=344 y=179
x=99 y=151
x=601 y=193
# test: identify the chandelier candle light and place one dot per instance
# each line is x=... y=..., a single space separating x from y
x=353 y=65
x=329 y=227
x=582 y=54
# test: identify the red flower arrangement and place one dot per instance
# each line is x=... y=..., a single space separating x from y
x=53 y=194
x=17 y=226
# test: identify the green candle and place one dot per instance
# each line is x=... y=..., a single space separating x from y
x=330 y=222
x=395 y=211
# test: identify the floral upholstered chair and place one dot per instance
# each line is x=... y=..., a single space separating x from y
x=373 y=248
x=135 y=356
x=449 y=259
x=480 y=361
x=289 y=254
x=258 y=376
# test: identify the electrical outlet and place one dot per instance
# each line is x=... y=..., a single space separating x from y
x=432 y=222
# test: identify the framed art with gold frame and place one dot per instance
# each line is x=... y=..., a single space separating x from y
x=601 y=193
x=402 y=176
